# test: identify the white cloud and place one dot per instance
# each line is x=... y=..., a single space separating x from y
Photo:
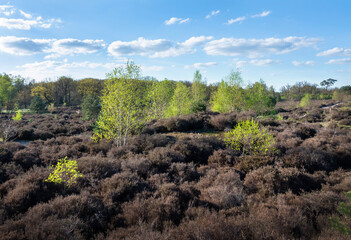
x=339 y=61
x=53 y=69
x=26 y=23
x=213 y=13
x=56 y=48
x=263 y=14
x=256 y=62
x=74 y=46
x=24 y=46
x=159 y=48
x=335 y=52
x=201 y=65
x=7 y=10
x=239 y=20
x=175 y=20
x=196 y=41
x=306 y=63
x=26 y=15
x=257 y=47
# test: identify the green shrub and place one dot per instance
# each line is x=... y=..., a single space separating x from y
x=91 y=107
x=66 y=172
x=37 y=105
x=248 y=138
x=344 y=209
x=306 y=100
x=18 y=116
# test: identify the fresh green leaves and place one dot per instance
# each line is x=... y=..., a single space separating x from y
x=247 y=138
x=65 y=171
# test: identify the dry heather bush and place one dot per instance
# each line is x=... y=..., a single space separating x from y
x=201 y=223
x=221 y=122
x=279 y=219
x=162 y=157
x=97 y=168
x=76 y=216
x=139 y=165
x=310 y=159
x=122 y=187
x=141 y=231
x=5 y=154
x=248 y=163
x=30 y=190
x=338 y=115
x=158 y=211
x=222 y=157
x=144 y=143
x=268 y=181
x=183 y=172
x=9 y=171
x=197 y=150
x=101 y=147
x=27 y=158
x=305 y=132
x=226 y=191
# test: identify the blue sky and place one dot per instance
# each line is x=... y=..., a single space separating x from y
x=282 y=42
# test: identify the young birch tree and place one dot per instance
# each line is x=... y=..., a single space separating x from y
x=229 y=95
x=158 y=97
x=181 y=101
x=121 y=105
x=198 y=91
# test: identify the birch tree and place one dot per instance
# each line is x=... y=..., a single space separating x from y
x=158 y=97
x=121 y=105
x=181 y=101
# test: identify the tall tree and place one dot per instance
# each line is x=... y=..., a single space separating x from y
x=121 y=105
x=181 y=101
x=328 y=83
x=229 y=95
x=158 y=98
x=7 y=91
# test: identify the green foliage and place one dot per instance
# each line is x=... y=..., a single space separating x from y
x=121 y=105
x=306 y=100
x=7 y=91
x=259 y=98
x=181 y=101
x=229 y=95
x=198 y=92
x=37 y=105
x=158 y=99
x=343 y=225
x=18 y=116
x=329 y=82
x=248 y=138
x=65 y=171
x=51 y=107
x=91 y=107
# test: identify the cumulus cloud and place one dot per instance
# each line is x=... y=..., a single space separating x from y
x=257 y=47
x=201 y=65
x=74 y=46
x=213 y=13
x=56 y=48
x=306 y=63
x=174 y=20
x=239 y=20
x=21 y=23
x=337 y=51
x=263 y=14
x=159 y=48
x=339 y=61
x=24 y=46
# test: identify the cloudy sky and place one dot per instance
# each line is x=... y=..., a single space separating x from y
x=282 y=42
